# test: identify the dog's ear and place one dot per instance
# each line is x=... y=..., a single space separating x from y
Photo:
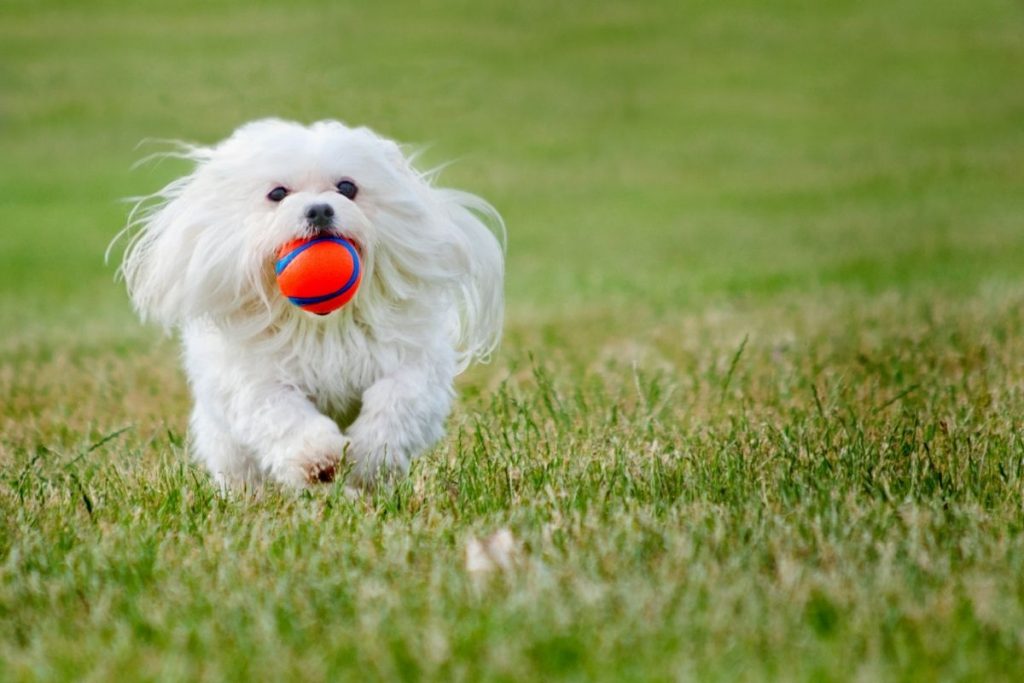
x=478 y=236
x=156 y=261
x=180 y=263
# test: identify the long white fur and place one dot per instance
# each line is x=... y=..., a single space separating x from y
x=284 y=393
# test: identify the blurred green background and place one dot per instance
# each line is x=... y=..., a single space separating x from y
x=838 y=183
x=645 y=154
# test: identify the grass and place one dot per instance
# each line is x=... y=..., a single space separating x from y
x=758 y=411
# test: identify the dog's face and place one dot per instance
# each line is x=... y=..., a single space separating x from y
x=279 y=181
x=206 y=250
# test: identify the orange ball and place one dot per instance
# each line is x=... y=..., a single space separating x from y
x=319 y=274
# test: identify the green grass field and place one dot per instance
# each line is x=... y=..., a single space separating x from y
x=759 y=409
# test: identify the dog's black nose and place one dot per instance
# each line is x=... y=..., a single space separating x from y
x=320 y=215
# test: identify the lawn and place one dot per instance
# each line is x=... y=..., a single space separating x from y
x=759 y=408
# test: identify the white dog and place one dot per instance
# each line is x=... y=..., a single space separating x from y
x=286 y=394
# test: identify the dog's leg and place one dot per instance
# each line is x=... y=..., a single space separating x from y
x=273 y=423
x=230 y=463
x=402 y=415
x=287 y=437
x=294 y=442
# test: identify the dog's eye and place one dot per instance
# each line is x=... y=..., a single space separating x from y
x=348 y=189
x=277 y=194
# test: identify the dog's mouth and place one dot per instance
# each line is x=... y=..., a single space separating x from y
x=334 y=232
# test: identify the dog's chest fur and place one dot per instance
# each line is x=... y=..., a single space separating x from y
x=334 y=367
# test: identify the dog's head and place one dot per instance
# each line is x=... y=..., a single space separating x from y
x=203 y=247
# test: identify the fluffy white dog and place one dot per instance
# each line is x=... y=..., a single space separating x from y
x=286 y=394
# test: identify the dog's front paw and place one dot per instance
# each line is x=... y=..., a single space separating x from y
x=312 y=460
x=322 y=470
